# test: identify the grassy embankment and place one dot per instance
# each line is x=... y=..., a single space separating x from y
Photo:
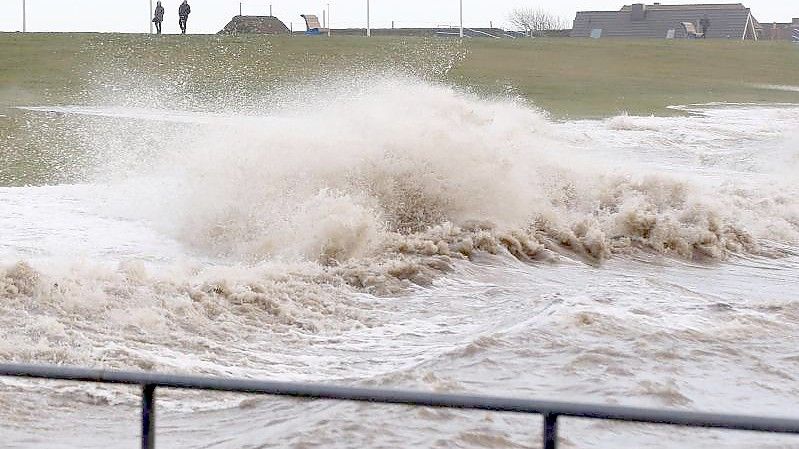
x=569 y=78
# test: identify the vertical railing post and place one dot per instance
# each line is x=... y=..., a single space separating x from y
x=550 y=431
x=148 y=417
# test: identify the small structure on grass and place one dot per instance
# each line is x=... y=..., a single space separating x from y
x=721 y=21
x=255 y=25
x=690 y=31
x=312 y=25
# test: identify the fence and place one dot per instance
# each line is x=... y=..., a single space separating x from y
x=551 y=411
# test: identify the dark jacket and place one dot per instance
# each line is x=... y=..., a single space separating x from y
x=159 y=14
x=184 y=10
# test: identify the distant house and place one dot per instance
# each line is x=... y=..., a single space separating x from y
x=727 y=21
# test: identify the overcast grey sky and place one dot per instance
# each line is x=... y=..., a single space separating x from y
x=209 y=16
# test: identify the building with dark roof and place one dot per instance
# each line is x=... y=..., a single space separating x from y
x=727 y=21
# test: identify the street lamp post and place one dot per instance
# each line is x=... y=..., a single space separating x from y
x=24 y=17
x=368 y=20
x=329 y=22
x=461 y=19
x=151 y=17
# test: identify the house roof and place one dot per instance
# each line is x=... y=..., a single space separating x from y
x=727 y=21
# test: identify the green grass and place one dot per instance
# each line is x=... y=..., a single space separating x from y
x=579 y=78
x=570 y=78
x=77 y=67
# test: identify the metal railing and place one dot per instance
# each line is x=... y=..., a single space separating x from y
x=550 y=410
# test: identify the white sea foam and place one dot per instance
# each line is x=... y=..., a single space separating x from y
x=402 y=157
x=782 y=87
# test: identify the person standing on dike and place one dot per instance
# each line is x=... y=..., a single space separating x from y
x=159 y=17
x=183 y=14
x=705 y=25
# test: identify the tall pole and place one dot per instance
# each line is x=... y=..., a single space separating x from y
x=240 y=9
x=461 y=19
x=24 y=17
x=368 y=20
x=151 y=16
x=329 y=22
x=270 y=10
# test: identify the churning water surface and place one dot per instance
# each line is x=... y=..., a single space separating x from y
x=408 y=235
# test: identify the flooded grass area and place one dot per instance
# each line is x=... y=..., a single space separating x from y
x=568 y=78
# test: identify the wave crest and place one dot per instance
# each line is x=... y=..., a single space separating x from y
x=401 y=158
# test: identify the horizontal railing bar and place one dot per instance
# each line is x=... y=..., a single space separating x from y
x=425 y=399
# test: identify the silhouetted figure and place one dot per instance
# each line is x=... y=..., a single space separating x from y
x=705 y=25
x=183 y=13
x=159 y=17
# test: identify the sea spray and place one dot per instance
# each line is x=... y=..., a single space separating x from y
x=401 y=156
